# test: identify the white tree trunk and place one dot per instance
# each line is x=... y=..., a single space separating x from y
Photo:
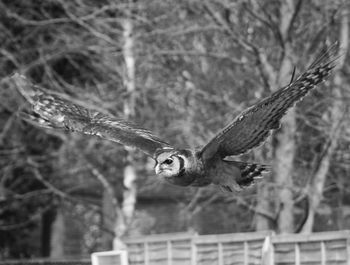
x=130 y=176
x=129 y=59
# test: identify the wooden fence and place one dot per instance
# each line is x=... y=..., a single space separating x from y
x=174 y=249
x=46 y=262
x=326 y=248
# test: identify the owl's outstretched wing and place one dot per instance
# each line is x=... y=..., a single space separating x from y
x=56 y=112
x=253 y=126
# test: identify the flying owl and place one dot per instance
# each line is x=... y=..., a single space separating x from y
x=187 y=167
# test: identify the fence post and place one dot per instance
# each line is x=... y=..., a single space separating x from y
x=348 y=250
x=220 y=254
x=323 y=253
x=169 y=252
x=146 y=249
x=246 y=253
x=193 y=252
x=297 y=253
x=267 y=255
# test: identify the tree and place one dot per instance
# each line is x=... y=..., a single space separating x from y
x=183 y=69
x=336 y=122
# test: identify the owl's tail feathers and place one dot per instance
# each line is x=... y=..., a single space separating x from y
x=249 y=174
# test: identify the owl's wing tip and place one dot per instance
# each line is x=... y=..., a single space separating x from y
x=27 y=89
x=35 y=120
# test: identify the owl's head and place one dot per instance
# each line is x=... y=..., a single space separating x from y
x=172 y=164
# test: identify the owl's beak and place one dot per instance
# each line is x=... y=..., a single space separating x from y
x=161 y=169
x=157 y=169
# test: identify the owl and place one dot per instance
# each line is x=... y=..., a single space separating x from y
x=187 y=167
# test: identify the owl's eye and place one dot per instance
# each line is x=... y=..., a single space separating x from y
x=168 y=161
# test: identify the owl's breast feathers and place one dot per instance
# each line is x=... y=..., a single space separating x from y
x=192 y=172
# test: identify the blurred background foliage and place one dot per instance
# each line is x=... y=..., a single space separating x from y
x=197 y=65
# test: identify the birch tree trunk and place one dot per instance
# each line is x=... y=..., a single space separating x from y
x=129 y=178
x=316 y=186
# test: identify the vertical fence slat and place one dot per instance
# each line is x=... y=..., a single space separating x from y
x=267 y=252
x=146 y=253
x=348 y=250
x=323 y=253
x=220 y=254
x=246 y=253
x=169 y=250
x=193 y=253
x=297 y=253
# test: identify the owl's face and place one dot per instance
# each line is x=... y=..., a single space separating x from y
x=169 y=164
x=173 y=164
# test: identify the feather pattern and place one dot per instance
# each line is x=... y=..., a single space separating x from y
x=60 y=113
x=253 y=126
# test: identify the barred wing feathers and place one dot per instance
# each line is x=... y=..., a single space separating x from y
x=254 y=125
x=57 y=112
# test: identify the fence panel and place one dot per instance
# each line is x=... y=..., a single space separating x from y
x=46 y=262
x=325 y=248
x=227 y=249
x=165 y=249
x=191 y=249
